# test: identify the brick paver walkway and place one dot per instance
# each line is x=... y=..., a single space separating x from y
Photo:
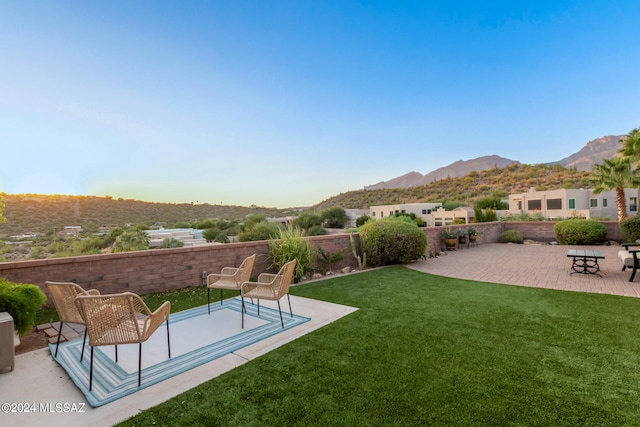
x=542 y=266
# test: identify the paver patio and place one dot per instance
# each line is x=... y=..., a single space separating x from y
x=541 y=266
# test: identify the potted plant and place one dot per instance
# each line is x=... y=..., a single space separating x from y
x=462 y=236
x=450 y=238
x=290 y=245
x=473 y=234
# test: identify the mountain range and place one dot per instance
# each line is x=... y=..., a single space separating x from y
x=593 y=152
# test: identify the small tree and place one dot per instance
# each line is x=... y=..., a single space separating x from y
x=307 y=220
x=334 y=217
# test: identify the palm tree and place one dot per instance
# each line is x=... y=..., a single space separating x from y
x=616 y=174
x=631 y=145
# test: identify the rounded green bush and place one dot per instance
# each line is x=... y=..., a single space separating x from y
x=22 y=302
x=580 y=232
x=511 y=236
x=392 y=242
x=630 y=228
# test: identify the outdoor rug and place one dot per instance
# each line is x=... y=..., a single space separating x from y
x=196 y=338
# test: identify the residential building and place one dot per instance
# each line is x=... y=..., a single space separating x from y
x=567 y=203
x=421 y=210
x=433 y=214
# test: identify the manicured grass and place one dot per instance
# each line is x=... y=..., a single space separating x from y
x=428 y=350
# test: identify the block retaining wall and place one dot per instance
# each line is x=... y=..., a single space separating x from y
x=159 y=270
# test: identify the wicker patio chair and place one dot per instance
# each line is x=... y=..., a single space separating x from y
x=229 y=278
x=63 y=295
x=121 y=319
x=270 y=287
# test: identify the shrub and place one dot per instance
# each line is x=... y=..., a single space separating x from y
x=171 y=242
x=291 y=245
x=316 y=230
x=511 y=236
x=579 y=232
x=392 y=242
x=490 y=215
x=89 y=246
x=22 y=302
x=210 y=234
x=260 y=231
x=361 y=220
x=327 y=259
x=221 y=238
x=630 y=228
x=307 y=220
x=131 y=240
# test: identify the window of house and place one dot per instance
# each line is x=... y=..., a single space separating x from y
x=633 y=204
x=604 y=203
x=534 y=205
x=554 y=203
x=519 y=205
x=381 y=214
x=373 y=213
x=572 y=203
x=424 y=211
x=593 y=203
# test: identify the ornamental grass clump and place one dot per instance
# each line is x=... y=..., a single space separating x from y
x=580 y=232
x=392 y=242
x=290 y=245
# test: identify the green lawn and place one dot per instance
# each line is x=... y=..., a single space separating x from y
x=428 y=350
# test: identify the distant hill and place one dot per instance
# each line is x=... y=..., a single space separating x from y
x=593 y=152
x=30 y=213
x=454 y=170
x=498 y=182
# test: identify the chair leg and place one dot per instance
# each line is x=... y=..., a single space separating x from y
x=58 y=342
x=116 y=353
x=84 y=340
x=242 y=310
x=139 y=362
x=290 y=311
x=220 y=296
x=91 y=370
x=168 y=340
x=280 y=311
x=208 y=301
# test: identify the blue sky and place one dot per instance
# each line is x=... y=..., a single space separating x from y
x=287 y=103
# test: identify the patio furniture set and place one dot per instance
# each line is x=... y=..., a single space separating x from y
x=117 y=319
x=586 y=261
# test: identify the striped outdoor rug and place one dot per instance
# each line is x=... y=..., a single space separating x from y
x=196 y=338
